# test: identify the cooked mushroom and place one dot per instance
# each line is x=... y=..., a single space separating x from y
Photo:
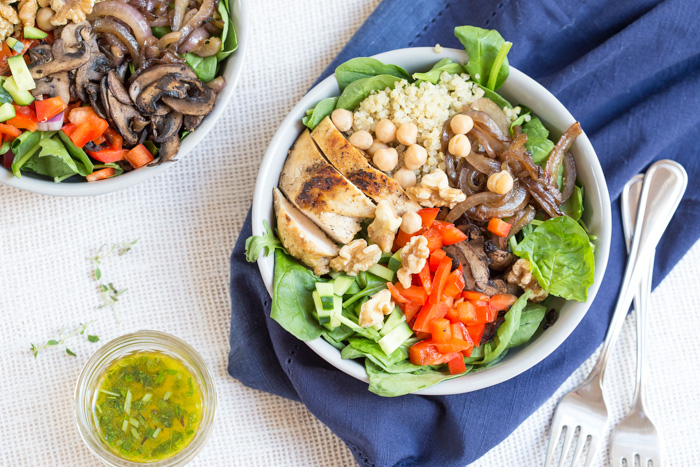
x=166 y=126
x=154 y=74
x=92 y=71
x=168 y=150
x=499 y=260
x=198 y=105
x=117 y=87
x=54 y=85
x=121 y=116
x=475 y=270
x=190 y=122
x=58 y=59
x=94 y=96
x=74 y=33
x=170 y=85
x=139 y=123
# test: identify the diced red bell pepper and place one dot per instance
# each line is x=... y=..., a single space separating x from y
x=425 y=280
x=100 y=174
x=498 y=227
x=139 y=156
x=425 y=353
x=434 y=239
x=415 y=294
x=440 y=330
x=113 y=138
x=451 y=345
x=450 y=233
x=471 y=295
x=428 y=215
x=24 y=118
x=410 y=310
x=80 y=115
x=475 y=332
x=69 y=128
x=10 y=131
x=395 y=293
x=435 y=258
x=88 y=130
x=459 y=331
x=455 y=283
x=440 y=279
x=108 y=155
x=401 y=239
x=99 y=140
x=466 y=313
x=484 y=313
x=49 y=108
x=456 y=365
x=429 y=312
x=501 y=302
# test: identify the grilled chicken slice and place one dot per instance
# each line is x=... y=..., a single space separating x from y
x=322 y=193
x=301 y=237
x=352 y=163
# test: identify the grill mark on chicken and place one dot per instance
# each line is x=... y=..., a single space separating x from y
x=323 y=180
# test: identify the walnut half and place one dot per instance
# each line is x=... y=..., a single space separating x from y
x=382 y=230
x=434 y=191
x=373 y=310
x=8 y=19
x=413 y=257
x=356 y=256
x=521 y=275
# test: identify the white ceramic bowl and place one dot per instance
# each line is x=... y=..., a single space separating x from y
x=231 y=72
x=518 y=89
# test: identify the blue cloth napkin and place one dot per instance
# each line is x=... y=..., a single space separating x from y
x=629 y=71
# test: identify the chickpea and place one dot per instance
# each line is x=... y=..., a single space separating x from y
x=500 y=182
x=460 y=146
x=415 y=156
x=385 y=131
x=461 y=124
x=43 y=19
x=342 y=119
x=406 y=178
x=376 y=146
x=407 y=134
x=386 y=159
x=361 y=139
x=411 y=222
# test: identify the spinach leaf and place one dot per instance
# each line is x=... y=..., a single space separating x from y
x=204 y=67
x=24 y=147
x=336 y=336
x=229 y=41
x=500 y=343
x=530 y=319
x=52 y=160
x=358 y=90
x=84 y=164
x=388 y=384
x=494 y=96
x=538 y=142
x=365 y=67
x=561 y=258
x=488 y=64
x=433 y=75
x=291 y=299
x=319 y=112
x=574 y=205
x=160 y=31
x=255 y=245
x=111 y=165
x=361 y=347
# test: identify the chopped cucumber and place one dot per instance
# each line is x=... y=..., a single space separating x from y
x=323 y=315
x=334 y=274
x=19 y=96
x=337 y=311
x=384 y=258
x=325 y=292
x=15 y=45
x=383 y=272
x=395 y=318
x=395 y=261
x=34 y=33
x=378 y=326
x=395 y=338
x=20 y=72
x=7 y=111
x=341 y=284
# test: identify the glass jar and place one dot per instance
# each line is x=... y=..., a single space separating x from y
x=142 y=341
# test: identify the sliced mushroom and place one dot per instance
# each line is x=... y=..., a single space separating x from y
x=154 y=74
x=61 y=60
x=54 y=85
x=92 y=71
x=166 y=126
x=74 y=33
x=499 y=260
x=170 y=85
x=198 y=105
x=494 y=287
x=117 y=87
x=190 y=122
x=168 y=150
x=121 y=116
x=476 y=271
x=139 y=123
x=94 y=96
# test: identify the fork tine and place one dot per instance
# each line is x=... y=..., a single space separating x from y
x=617 y=462
x=570 y=431
x=655 y=462
x=582 y=437
x=554 y=434
x=592 y=449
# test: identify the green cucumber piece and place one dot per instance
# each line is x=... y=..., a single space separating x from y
x=336 y=312
x=325 y=292
x=384 y=258
x=395 y=338
x=395 y=262
x=15 y=45
x=323 y=315
x=395 y=318
x=34 y=33
x=335 y=274
x=20 y=72
x=383 y=272
x=341 y=284
x=7 y=111
x=19 y=96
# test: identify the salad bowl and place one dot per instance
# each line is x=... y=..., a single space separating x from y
x=231 y=71
x=519 y=89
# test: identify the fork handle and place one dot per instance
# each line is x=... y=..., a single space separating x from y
x=641 y=300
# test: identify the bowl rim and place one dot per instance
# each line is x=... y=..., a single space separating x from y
x=232 y=71
x=523 y=358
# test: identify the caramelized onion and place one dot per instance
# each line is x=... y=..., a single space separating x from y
x=548 y=197
x=209 y=47
x=483 y=164
x=120 y=32
x=178 y=14
x=169 y=38
x=490 y=108
x=126 y=13
x=471 y=202
x=518 y=201
x=471 y=180
x=203 y=14
x=560 y=149
x=521 y=219
x=487 y=123
x=569 y=177
x=217 y=84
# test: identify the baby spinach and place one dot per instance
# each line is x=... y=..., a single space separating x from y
x=506 y=331
x=530 y=319
x=358 y=90
x=573 y=207
x=292 y=302
x=255 y=245
x=392 y=384
x=365 y=67
x=160 y=31
x=538 y=142
x=494 y=96
x=204 y=67
x=433 y=75
x=319 y=112
x=24 y=147
x=229 y=41
x=561 y=258
x=52 y=160
x=488 y=64
x=360 y=347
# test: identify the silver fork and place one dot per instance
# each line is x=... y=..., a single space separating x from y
x=584 y=410
x=636 y=437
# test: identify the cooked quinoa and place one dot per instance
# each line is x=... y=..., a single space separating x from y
x=427 y=105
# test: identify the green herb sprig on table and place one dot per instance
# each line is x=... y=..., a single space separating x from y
x=61 y=340
x=109 y=294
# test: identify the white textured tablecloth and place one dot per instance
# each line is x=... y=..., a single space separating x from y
x=187 y=220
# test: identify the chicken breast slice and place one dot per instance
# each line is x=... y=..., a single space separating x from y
x=301 y=237
x=322 y=193
x=352 y=163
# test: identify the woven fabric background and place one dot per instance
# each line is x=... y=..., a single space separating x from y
x=186 y=222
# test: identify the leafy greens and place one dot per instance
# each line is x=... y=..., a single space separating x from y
x=487 y=50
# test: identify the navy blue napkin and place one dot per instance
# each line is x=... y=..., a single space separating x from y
x=629 y=71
